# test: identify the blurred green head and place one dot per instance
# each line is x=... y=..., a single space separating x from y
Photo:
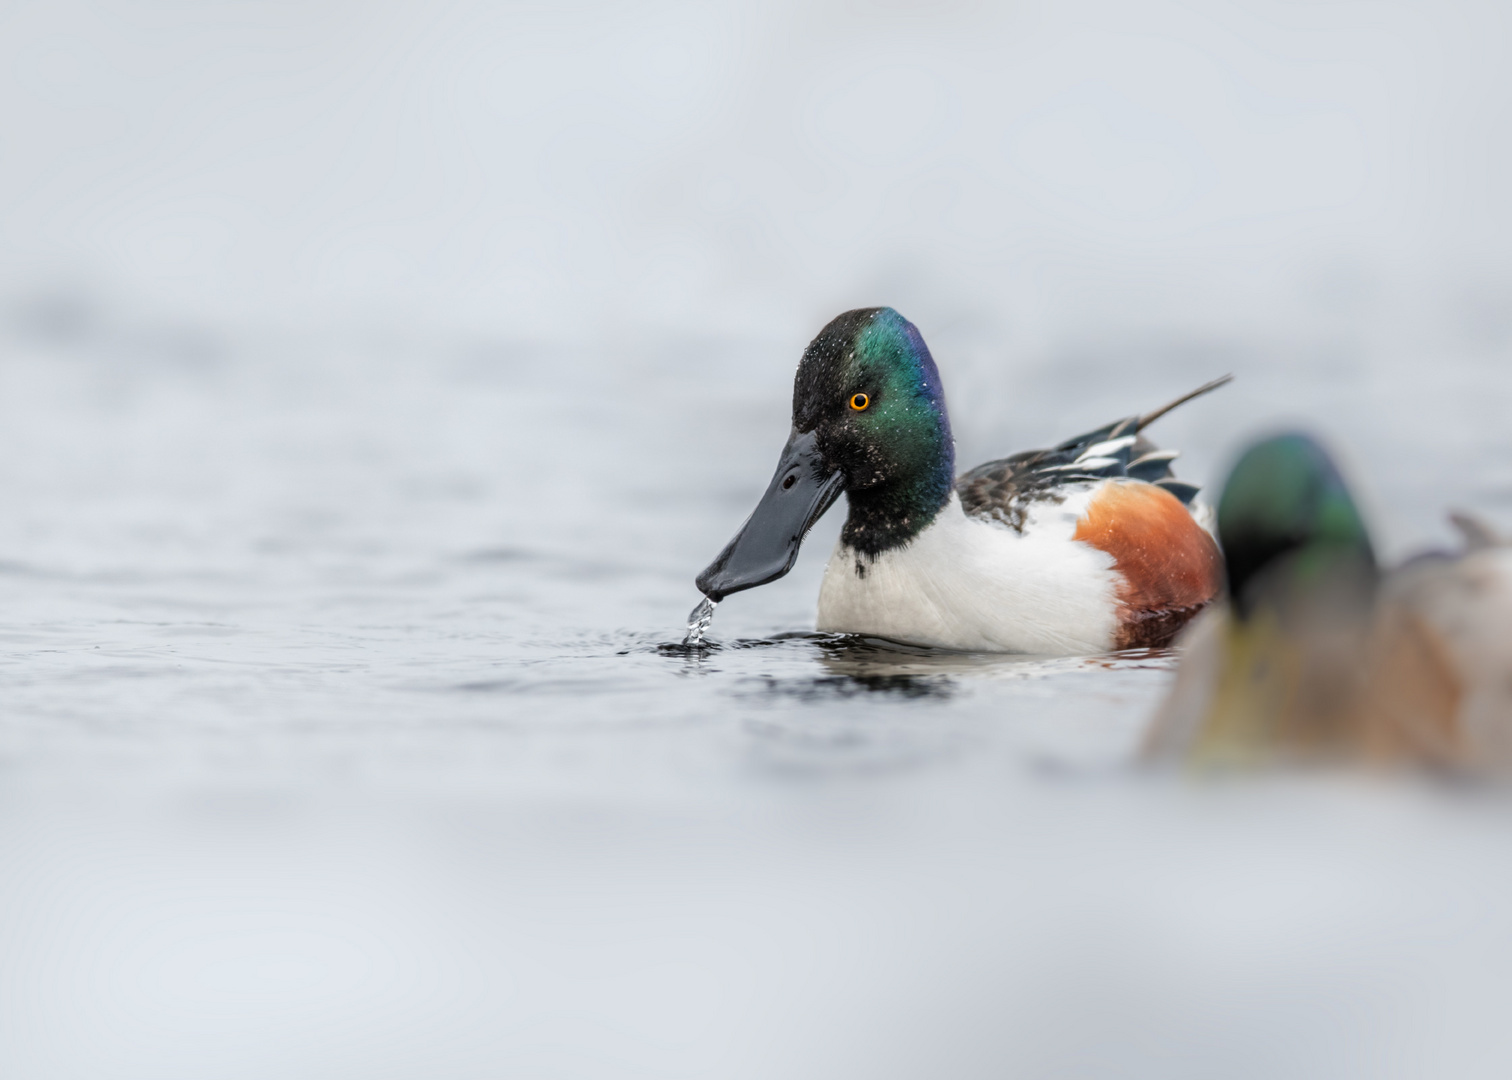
x=1286 y=519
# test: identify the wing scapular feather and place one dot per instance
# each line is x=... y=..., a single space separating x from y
x=1180 y=488
x=1000 y=489
x=1153 y=466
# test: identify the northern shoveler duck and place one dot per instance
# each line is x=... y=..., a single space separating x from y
x=1317 y=656
x=1084 y=548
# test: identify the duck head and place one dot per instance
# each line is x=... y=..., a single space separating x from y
x=869 y=420
x=1291 y=532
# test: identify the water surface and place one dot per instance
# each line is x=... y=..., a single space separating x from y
x=348 y=730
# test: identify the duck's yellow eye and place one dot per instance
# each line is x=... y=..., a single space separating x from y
x=859 y=401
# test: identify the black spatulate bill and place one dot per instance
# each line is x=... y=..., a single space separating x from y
x=766 y=546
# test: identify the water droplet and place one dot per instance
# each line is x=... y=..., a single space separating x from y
x=698 y=622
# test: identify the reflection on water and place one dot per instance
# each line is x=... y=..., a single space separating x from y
x=851 y=665
x=821 y=687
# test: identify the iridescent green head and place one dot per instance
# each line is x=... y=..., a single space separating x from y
x=869 y=390
x=1286 y=518
x=869 y=420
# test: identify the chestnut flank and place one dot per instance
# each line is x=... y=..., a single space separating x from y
x=1170 y=568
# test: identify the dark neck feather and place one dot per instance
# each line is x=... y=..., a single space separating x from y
x=890 y=514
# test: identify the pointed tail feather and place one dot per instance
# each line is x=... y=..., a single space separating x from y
x=1150 y=417
x=1476 y=532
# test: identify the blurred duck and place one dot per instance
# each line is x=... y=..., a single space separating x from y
x=1316 y=656
x=1083 y=548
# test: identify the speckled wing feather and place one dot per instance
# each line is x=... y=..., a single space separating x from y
x=1004 y=489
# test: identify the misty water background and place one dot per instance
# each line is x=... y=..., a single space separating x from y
x=375 y=378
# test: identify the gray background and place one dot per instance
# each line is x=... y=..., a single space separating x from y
x=374 y=378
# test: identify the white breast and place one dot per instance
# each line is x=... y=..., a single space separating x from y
x=966 y=583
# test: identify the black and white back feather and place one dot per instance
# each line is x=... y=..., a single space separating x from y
x=1003 y=489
